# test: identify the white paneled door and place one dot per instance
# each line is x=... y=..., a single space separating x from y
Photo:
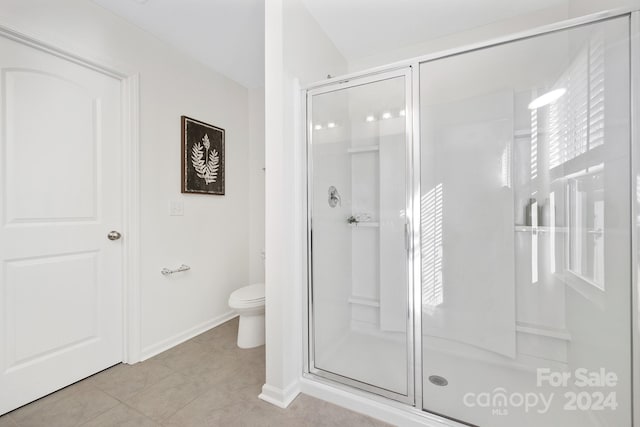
x=60 y=196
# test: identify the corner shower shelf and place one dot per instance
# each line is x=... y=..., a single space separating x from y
x=544 y=331
x=364 y=301
x=363 y=149
x=367 y=224
x=540 y=229
x=524 y=133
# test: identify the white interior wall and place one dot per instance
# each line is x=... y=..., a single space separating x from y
x=332 y=240
x=212 y=237
x=572 y=9
x=297 y=51
x=256 y=185
x=585 y=7
x=474 y=35
x=592 y=313
x=332 y=244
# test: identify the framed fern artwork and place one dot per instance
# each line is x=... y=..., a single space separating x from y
x=202 y=157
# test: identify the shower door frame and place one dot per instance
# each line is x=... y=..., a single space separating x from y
x=634 y=111
x=416 y=410
x=407 y=72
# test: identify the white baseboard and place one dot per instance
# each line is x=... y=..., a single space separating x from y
x=279 y=397
x=173 y=341
x=374 y=406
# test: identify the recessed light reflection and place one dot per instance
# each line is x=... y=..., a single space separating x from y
x=331 y=125
x=370 y=118
x=386 y=115
x=402 y=113
x=547 y=98
x=317 y=127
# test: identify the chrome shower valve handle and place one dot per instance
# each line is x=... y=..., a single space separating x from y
x=334 y=197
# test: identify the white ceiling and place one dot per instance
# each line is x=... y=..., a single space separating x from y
x=360 y=28
x=226 y=35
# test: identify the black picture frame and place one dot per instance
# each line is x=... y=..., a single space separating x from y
x=203 y=166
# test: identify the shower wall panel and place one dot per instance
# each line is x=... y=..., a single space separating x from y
x=529 y=153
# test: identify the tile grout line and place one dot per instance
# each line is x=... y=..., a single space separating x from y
x=227 y=405
x=100 y=413
x=181 y=408
x=121 y=399
x=241 y=400
x=11 y=419
x=141 y=414
x=128 y=404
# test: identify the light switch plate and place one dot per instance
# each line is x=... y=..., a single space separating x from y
x=176 y=208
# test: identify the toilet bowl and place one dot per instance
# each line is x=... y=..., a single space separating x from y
x=248 y=302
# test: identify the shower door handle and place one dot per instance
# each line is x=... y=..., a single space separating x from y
x=407 y=237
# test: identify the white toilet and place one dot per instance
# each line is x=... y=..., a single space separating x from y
x=248 y=302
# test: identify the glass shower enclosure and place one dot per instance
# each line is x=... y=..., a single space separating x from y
x=360 y=208
x=471 y=229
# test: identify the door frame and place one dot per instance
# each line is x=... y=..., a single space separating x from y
x=130 y=141
x=407 y=72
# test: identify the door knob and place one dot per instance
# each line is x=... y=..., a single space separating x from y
x=114 y=235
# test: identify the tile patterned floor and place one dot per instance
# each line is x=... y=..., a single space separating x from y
x=206 y=381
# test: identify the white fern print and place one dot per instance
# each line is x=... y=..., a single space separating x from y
x=204 y=162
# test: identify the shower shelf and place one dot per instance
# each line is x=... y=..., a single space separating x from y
x=365 y=225
x=526 y=328
x=541 y=229
x=524 y=133
x=363 y=301
x=363 y=149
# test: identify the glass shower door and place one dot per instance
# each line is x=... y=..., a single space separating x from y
x=358 y=139
x=525 y=219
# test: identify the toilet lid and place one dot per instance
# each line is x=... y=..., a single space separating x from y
x=253 y=292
